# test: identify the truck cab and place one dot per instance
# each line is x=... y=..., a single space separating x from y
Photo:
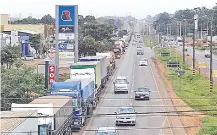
x=121 y=84
x=117 y=52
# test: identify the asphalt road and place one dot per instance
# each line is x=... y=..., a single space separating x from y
x=199 y=55
x=138 y=77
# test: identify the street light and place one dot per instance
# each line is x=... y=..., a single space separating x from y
x=211 y=43
x=184 y=38
x=195 y=28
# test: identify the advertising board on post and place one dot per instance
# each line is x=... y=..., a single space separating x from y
x=66 y=34
x=51 y=73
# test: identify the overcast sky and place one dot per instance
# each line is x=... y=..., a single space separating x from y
x=137 y=8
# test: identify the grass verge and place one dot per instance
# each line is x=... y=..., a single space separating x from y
x=193 y=90
x=149 y=40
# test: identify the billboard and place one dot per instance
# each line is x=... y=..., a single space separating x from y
x=66 y=34
x=51 y=70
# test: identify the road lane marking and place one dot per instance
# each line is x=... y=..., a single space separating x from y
x=152 y=72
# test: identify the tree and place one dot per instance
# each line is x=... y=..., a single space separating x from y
x=9 y=55
x=47 y=19
x=20 y=83
x=35 y=41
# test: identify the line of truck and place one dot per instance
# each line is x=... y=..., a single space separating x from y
x=75 y=99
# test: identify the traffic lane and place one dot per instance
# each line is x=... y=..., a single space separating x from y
x=144 y=77
x=101 y=121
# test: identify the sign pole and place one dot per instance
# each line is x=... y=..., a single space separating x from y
x=76 y=35
x=57 y=43
x=46 y=75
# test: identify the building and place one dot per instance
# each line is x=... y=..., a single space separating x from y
x=19 y=126
x=4 y=19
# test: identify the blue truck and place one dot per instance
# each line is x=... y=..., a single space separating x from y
x=82 y=93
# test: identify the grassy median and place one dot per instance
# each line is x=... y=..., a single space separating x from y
x=193 y=90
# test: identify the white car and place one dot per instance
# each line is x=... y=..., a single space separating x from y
x=143 y=62
x=126 y=116
x=121 y=84
x=107 y=131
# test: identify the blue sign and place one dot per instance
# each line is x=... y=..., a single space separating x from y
x=24 y=39
x=66 y=15
x=62 y=46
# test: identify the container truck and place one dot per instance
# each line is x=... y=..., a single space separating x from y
x=121 y=44
x=110 y=63
x=82 y=93
x=103 y=68
x=60 y=114
x=89 y=70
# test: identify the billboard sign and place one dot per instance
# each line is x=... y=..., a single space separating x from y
x=51 y=70
x=66 y=34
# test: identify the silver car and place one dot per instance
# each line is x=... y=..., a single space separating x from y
x=126 y=116
x=142 y=93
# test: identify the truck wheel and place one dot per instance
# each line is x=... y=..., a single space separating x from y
x=115 y=92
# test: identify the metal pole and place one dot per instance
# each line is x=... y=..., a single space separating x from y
x=194 y=49
x=167 y=30
x=76 y=35
x=56 y=43
x=180 y=32
x=184 y=44
x=211 y=79
x=201 y=31
x=185 y=30
x=46 y=75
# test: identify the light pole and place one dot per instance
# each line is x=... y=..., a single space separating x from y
x=184 y=31
x=211 y=43
x=195 y=28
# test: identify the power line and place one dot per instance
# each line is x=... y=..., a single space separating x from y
x=137 y=106
x=126 y=129
x=114 y=114
x=120 y=98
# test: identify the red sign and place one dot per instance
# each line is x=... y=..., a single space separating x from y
x=51 y=70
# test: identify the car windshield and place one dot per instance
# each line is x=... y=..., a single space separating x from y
x=126 y=110
x=143 y=90
x=106 y=133
x=144 y=59
x=121 y=81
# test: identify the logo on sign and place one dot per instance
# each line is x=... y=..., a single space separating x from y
x=51 y=69
x=66 y=29
x=66 y=15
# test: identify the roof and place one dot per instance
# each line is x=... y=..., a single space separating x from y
x=57 y=101
x=8 y=125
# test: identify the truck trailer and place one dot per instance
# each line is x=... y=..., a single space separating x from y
x=103 y=68
x=82 y=94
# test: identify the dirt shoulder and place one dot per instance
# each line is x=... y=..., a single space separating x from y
x=179 y=105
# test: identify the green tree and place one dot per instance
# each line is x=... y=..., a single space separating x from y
x=20 y=84
x=35 y=41
x=9 y=55
x=47 y=19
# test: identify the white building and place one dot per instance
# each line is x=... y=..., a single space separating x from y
x=21 y=125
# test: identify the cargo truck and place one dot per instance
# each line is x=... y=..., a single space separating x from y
x=103 y=68
x=110 y=61
x=89 y=70
x=82 y=93
x=58 y=111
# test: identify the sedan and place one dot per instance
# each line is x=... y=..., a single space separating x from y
x=142 y=93
x=126 y=116
x=143 y=62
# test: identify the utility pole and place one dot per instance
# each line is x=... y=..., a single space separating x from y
x=167 y=30
x=185 y=29
x=211 y=79
x=180 y=32
x=201 y=28
x=183 y=55
x=195 y=28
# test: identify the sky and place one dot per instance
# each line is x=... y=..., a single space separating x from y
x=136 y=8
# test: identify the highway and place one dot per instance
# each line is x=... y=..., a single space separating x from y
x=138 y=77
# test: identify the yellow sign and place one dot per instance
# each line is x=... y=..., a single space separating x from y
x=66 y=54
x=202 y=65
x=214 y=73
